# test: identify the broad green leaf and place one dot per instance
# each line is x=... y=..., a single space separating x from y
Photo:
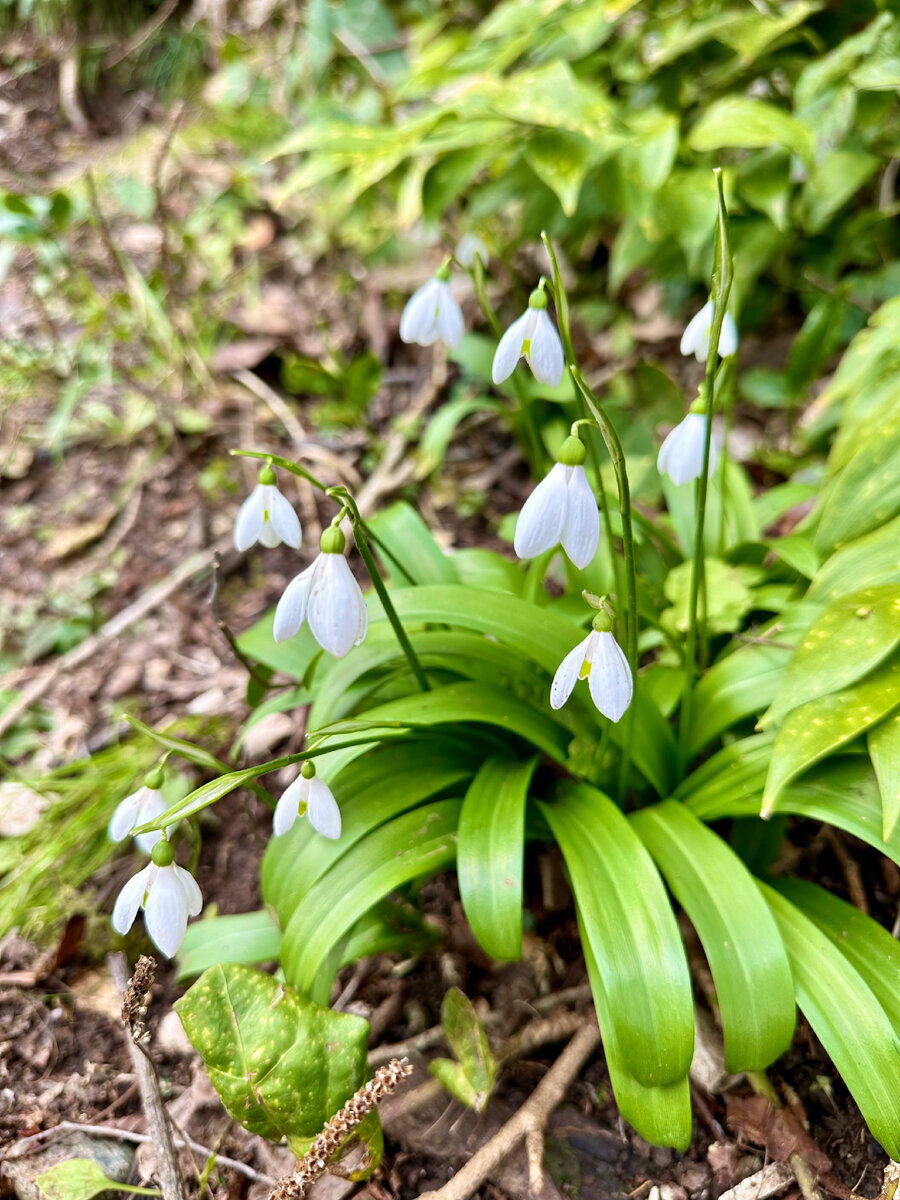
x=764 y=182
x=847 y=641
x=489 y=859
x=251 y=937
x=729 y=596
x=408 y=541
x=867 y=562
x=371 y=790
x=661 y=1115
x=480 y=568
x=741 y=121
x=745 y=952
x=866 y=492
x=389 y=928
x=294 y=657
x=631 y=931
x=884 y=750
x=465 y=1036
x=832 y=182
x=281 y=1064
x=415 y=844
x=868 y=946
x=798 y=552
x=561 y=161
x=82 y=1178
x=822 y=726
x=846 y=1017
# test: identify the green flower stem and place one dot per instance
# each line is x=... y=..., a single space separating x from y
x=728 y=375
x=284 y=463
x=723 y=273
x=535 y=451
x=362 y=544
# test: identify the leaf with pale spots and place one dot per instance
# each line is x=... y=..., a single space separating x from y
x=281 y=1064
x=822 y=726
x=865 y=493
x=850 y=638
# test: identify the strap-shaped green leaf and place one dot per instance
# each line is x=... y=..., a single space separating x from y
x=418 y=843
x=884 y=749
x=250 y=937
x=403 y=537
x=731 y=782
x=847 y=1019
x=862 y=941
x=489 y=858
x=745 y=952
x=371 y=790
x=661 y=1115
x=631 y=930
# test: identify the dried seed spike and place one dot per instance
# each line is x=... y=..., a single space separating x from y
x=133 y=1007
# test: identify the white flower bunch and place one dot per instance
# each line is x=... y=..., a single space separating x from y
x=318 y=803
x=266 y=517
x=562 y=510
x=695 y=339
x=681 y=454
x=328 y=597
x=534 y=337
x=600 y=659
x=167 y=893
x=432 y=313
x=141 y=807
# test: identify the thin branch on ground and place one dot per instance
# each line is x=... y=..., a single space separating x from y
x=147 y=30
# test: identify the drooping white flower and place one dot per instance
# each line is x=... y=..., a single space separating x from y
x=534 y=336
x=695 y=339
x=600 y=658
x=561 y=510
x=146 y=804
x=470 y=244
x=266 y=517
x=328 y=597
x=168 y=895
x=432 y=313
x=321 y=806
x=681 y=454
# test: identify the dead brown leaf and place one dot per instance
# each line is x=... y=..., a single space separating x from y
x=779 y=1130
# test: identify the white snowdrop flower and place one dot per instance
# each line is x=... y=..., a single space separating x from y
x=432 y=313
x=146 y=804
x=470 y=244
x=599 y=658
x=328 y=597
x=534 y=336
x=168 y=895
x=695 y=339
x=320 y=805
x=561 y=510
x=266 y=517
x=681 y=454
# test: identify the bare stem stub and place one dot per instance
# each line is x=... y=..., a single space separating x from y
x=336 y=1131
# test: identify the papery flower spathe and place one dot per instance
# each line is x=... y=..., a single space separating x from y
x=266 y=517
x=600 y=658
x=328 y=597
x=432 y=313
x=533 y=336
x=142 y=806
x=320 y=805
x=695 y=339
x=561 y=511
x=681 y=454
x=168 y=895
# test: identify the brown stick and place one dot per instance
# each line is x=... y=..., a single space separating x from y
x=170 y=1179
x=531 y=1118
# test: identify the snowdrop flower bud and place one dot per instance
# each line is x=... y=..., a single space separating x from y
x=317 y=801
x=599 y=658
x=432 y=313
x=561 y=510
x=168 y=895
x=266 y=517
x=470 y=244
x=146 y=804
x=681 y=454
x=534 y=336
x=695 y=339
x=328 y=597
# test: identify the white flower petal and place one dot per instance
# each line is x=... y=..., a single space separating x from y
x=322 y=810
x=362 y=624
x=333 y=611
x=130 y=899
x=286 y=810
x=124 y=818
x=450 y=318
x=249 y=523
x=581 y=528
x=610 y=679
x=545 y=357
x=419 y=320
x=268 y=536
x=153 y=806
x=728 y=338
x=567 y=673
x=681 y=454
x=695 y=339
x=193 y=897
x=283 y=519
x=543 y=514
x=290 y=612
x=509 y=349
x=165 y=913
